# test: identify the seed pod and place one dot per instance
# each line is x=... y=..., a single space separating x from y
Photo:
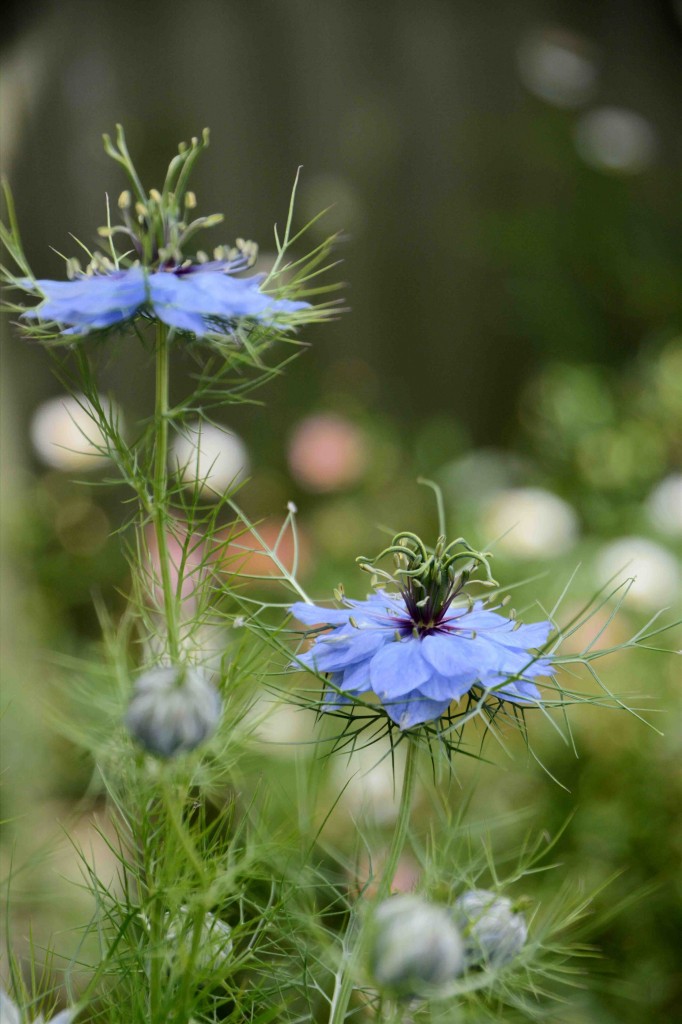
x=173 y=708
x=493 y=933
x=415 y=946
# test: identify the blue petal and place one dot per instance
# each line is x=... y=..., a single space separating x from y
x=398 y=668
x=501 y=629
x=357 y=678
x=314 y=615
x=459 y=656
x=333 y=699
x=414 y=710
x=92 y=301
x=517 y=663
x=518 y=692
x=442 y=688
x=332 y=654
x=179 y=298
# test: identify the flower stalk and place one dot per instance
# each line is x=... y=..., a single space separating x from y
x=160 y=508
x=344 y=984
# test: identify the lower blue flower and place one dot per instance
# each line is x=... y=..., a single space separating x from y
x=200 y=299
x=418 y=666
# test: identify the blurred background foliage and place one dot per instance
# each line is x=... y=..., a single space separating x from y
x=507 y=180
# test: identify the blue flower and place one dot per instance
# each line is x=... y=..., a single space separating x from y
x=197 y=298
x=418 y=658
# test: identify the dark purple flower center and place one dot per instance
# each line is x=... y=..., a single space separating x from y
x=427 y=608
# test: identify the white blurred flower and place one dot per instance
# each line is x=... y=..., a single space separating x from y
x=278 y=725
x=211 y=456
x=10 y=1014
x=215 y=947
x=558 y=66
x=65 y=436
x=493 y=933
x=327 y=452
x=415 y=946
x=616 y=140
x=664 y=505
x=173 y=709
x=656 y=571
x=368 y=781
x=530 y=523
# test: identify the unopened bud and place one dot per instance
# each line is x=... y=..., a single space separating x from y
x=416 y=946
x=493 y=933
x=173 y=708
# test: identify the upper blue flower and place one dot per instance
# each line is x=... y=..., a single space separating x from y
x=418 y=651
x=150 y=269
x=202 y=298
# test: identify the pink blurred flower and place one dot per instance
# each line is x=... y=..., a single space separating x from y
x=187 y=555
x=327 y=452
x=251 y=553
x=369 y=871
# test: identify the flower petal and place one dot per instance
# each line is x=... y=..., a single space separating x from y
x=314 y=615
x=446 y=687
x=341 y=649
x=196 y=297
x=357 y=678
x=500 y=628
x=414 y=710
x=399 y=668
x=98 y=300
x=462 y=657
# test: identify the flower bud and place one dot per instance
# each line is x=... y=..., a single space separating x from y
x=415 y=946
x=493 y=933
x=173 y=708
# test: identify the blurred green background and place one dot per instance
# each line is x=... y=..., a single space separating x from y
x=507 y=179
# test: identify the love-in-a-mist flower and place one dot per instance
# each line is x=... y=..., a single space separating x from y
x=420 y=642
x=415 y=947
x=173 y=708
x=198 y=299
x=155 y=274
x=494 y=932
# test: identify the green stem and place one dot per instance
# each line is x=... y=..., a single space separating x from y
x=155 y=942
x=402 y=824
x=174 y=805
x=343 y=988
x=161 y=417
